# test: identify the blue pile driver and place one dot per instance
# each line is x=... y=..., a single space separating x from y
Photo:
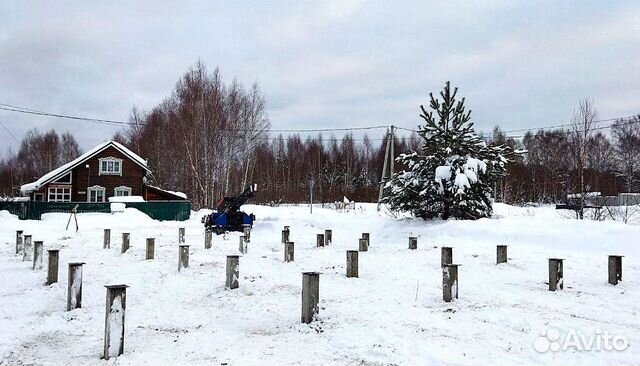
x=228 y=216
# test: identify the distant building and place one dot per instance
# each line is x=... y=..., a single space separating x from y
x=596 y=199
x=107 y=170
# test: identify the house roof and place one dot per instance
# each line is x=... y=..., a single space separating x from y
x=170 y=194
x=66 y=168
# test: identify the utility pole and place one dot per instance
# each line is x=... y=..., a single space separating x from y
x=11 y=175
x=392 y=157
x=388 y=155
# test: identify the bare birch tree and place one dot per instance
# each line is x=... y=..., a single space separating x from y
x=582 y=124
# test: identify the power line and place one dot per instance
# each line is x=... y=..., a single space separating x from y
x=406 y=129
x=24 y=110
x=9 y=132
x=567 y=124
x=285 y=138
x=629 y=121
x=48 y=114
x=17 y=109
x=330 y=129
x=555 y=126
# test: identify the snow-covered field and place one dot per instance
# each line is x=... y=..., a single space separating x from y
x=392 y=315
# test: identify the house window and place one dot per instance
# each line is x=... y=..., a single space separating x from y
x=96 y=194
x=122 y=191
x=110 y=166
x=59 y=194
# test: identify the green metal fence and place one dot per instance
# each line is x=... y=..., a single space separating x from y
x=164 y=210
x=39 y=208
x=15 y=208
x=158 y=210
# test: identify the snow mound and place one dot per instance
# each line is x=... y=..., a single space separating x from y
x=392 y=314
x=126 y=199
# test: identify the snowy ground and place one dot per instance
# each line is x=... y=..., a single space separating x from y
x=392 y=314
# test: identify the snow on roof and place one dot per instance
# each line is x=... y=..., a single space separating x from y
x=29 y=187
x=177 y=194
x=126 y=199
x=135 y=157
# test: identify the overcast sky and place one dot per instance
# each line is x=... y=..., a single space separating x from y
x=320 y=64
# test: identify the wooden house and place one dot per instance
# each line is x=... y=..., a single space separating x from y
x=107 y=170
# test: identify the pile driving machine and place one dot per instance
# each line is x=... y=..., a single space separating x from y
x=228 y=216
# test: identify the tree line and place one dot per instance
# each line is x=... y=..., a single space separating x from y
x=552 y=167
x=211 y=138
x=39 y=153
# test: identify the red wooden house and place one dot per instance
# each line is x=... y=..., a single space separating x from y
x=107 y=170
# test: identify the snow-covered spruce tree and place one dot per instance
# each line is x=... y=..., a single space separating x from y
x=453 y=175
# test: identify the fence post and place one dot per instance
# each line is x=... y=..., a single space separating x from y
x=38 y=248
x=233 y=271
x=556 y=274
x=413 y=242
x=319 y=240
x=207 y=239
x=52 y=269
x=106 y=241
x=114 y=317
x=363 y=245
x=501 y=254
x=450 y=282
x=125 y=242
x=446 y=256
x=18 y=241
x=74 y=286
x=328 y=237
x=181 y=235
x=151 y=249
x=310 y=295
x=615 y=269
x=285 y=235
x=352 y=263
x=288 y=252
x=183 y=256
x=366 y=236
x=27 y=249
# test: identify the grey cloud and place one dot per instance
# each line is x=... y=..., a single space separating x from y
x=324 y=64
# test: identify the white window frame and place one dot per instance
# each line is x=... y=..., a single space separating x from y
x=57 y=194
x=96 y=189
x=124 y=189
x=109 y=166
